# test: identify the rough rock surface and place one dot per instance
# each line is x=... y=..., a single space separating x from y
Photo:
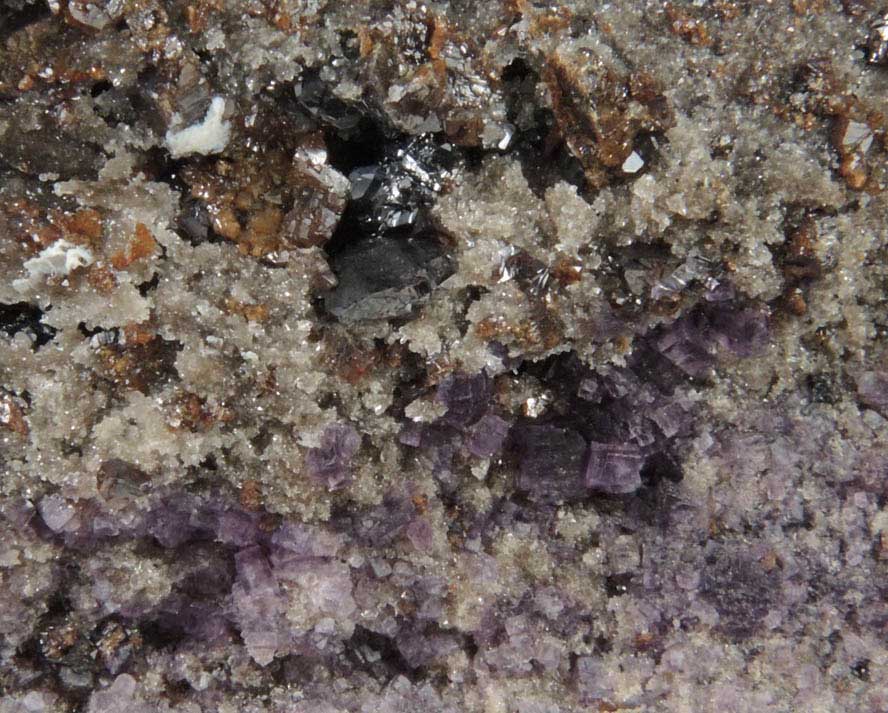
x=493 y=356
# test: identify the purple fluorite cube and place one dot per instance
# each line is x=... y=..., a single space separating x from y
x=466 y=397
x=613 y=468
x=872 y=390
x=551 y=462
x=744 y=332
x=487 y=436
x=330 y=464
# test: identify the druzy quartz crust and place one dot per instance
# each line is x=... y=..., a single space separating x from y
x=506 y=357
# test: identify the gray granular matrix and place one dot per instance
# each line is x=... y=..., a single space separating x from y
x=491 y=357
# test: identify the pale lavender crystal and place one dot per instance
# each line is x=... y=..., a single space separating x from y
x=296 y=541
x=387 y=521
x=254 y=571
x=442 y=461
x=688 y=347
x=420 y=534
x=743 y=332
x=203 y=620
x=613 y=468
x=258 y=605
x=431 y=592
x=420 y=649
x=487 y=436
x=330 y=464
x=56 y=512
x=327 y=586
x=642 y=431
x=670 y=419
x=591 y=679
x=119 y=696
x=238 y=528
x=872 y=389
x=522 y=648
x=466 y=397
x=617 y=383
x=171 y=526
x=33 y=702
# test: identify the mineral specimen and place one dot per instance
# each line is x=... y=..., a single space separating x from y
x=496 y=357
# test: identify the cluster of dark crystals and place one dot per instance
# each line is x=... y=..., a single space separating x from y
x=25 y=317
x=391 y=194
x=391 y=258
x=317 y=99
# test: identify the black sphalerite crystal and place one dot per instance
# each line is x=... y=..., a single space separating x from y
x=385 y=278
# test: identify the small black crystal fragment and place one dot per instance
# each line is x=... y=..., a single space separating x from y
x=616 y=585
x=194 y=221
x=860 y=669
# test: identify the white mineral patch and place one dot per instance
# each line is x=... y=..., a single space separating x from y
x=633 y=163
x=60 y=258
x=209 y=136
x=857 y=137
x=424 y=411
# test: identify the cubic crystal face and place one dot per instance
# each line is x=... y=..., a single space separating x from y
x=613 y=468
x=385 y=278
x=550 y=462
x=330 y=463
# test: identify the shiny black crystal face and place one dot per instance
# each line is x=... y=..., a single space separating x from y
x=390 y=195
x=382 y=277
x=386 y=257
